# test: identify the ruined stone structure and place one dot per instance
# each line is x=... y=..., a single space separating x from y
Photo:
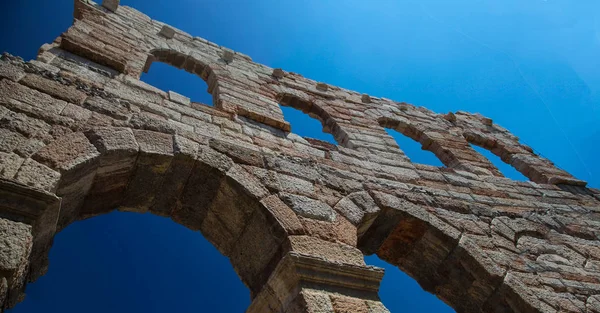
x=81 y=135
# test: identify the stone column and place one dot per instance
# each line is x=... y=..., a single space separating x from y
x=314 y=283
x=27 y=226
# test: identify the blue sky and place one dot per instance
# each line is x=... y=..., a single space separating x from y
x=533 y=66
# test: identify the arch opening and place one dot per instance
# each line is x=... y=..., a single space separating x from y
x=414 y=150
x=305 y=117
x=505 y=169
x=402 y=293
x=150 y=172
x=421 y=148
x=175 y=72
x=128 y=262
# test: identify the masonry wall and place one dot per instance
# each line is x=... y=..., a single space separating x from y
x=81 y=135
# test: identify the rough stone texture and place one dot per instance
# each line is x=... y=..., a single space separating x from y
x=294 y=215
x=15 y=246
x=175 y=97
x=111 y=4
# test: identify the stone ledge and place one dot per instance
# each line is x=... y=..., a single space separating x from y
x=320 y=271
x=24 y=201
x=297 y=272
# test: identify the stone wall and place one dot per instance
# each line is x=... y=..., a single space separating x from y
x=81 y=135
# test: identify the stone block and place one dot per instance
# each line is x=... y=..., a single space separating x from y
x=308 y=207
x=9 y=164
x=254 y=250
x=343 y=304
x=176 y=177
x=75 y=112
x=349 y=210
x=167 y=32
x=227 y=55
x=313 y=301
x=233 y=206
x=15 y=246
x=246 y=182
x=3 y=291
x=37 y=175
x=201 y=188
x=111 y=108
x=64 y=92
x=376 y=307
x=322 y=87
x=68 y=153
x=211 y=227
x=119 y=150
x=365 y=98
x=278 y=73
x=283 y=214
x=341 y=230
x=241 y=154
x=291 y=184
x=154 y=160
x=10 y=140
x=330 y=251
x=11 y=71
x=15 y=249
x=177 y=98
x=110 y=5
x=18 y=92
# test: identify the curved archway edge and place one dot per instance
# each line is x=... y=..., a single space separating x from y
x=80 y=135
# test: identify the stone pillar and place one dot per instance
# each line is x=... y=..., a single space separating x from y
x=310 y=283
x=27 y=226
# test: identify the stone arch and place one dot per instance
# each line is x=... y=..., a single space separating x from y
x=186 y=62
x=452 y=254
x=314 y=110
x=482 y=132
x=452 y=151
x=102 y=169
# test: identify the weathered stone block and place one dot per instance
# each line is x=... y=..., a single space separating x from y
x=167 y=32
x=283 y=214
x=53 y=88
x=111 y=5
x=330 y=251
x=308 y=207
x=322 y=87
x=227 y=55
x=15 y=248
x=238 y=153
x=9 y=164
x=278 y=73
x=253 y=252
x=18 y=92
x=11 y=72
x=349 y=305
x=114 y=109
x=177 y=98
x=36 y=175
x=202 y=187
x=118 y=148
x=181 y=167
x=68 y=153
x=154 y=160
x=365 y=98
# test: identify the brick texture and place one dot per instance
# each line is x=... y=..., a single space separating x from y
x=294 y=215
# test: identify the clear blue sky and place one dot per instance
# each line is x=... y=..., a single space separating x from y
x=533 y=66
